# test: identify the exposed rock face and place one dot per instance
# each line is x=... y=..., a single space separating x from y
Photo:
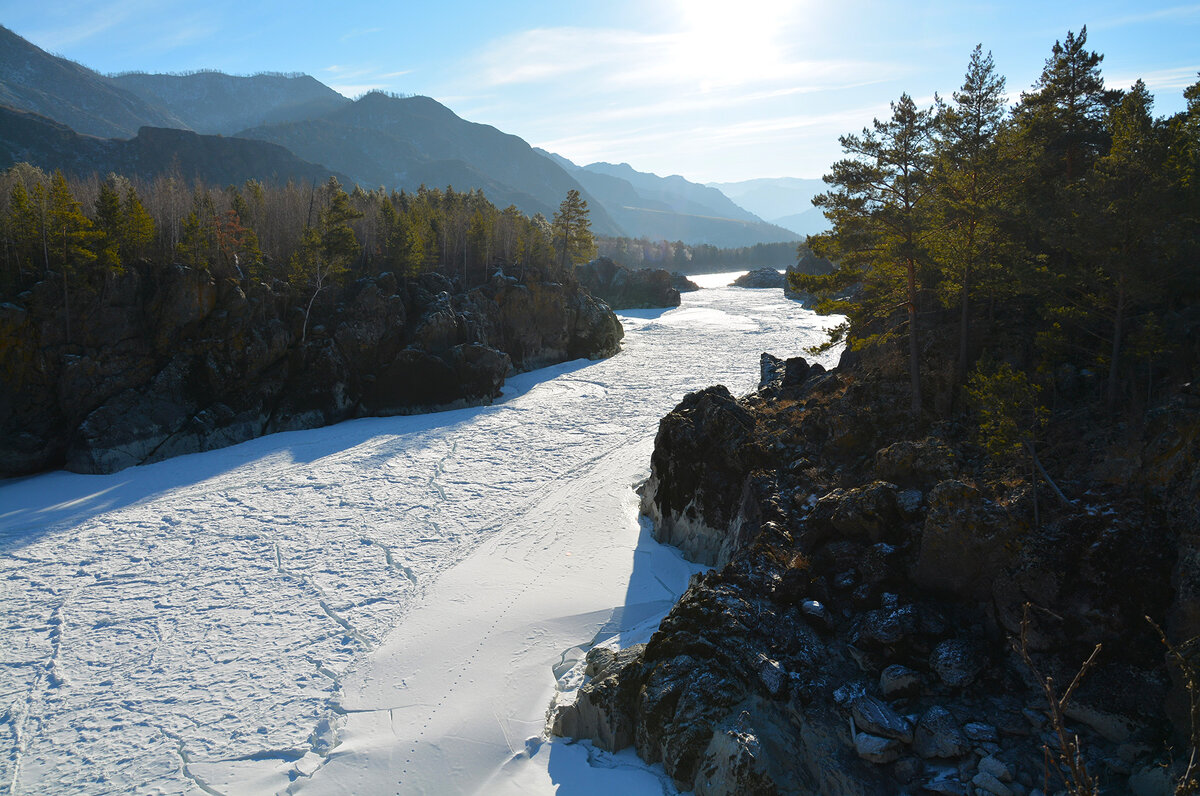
x=703 y=453
x=681 y=283
x=165 y=361
x=855 y=637
x=622 y=288
x=761 y=278
x=811 y=264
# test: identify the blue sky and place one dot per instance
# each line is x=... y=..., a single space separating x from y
x=713 y=90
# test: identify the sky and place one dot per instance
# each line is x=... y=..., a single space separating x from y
x=713 y=90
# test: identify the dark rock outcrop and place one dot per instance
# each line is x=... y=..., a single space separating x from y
x=761 y=278
x=165 y=361
x=680 y=282
x=856 y=637
x=622 y=288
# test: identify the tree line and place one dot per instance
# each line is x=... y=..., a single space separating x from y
x=1061 y=231
x=302 y=238
x=677 y=255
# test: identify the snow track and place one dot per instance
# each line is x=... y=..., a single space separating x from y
x=378 y=606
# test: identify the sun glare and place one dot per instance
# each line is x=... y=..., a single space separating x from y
x=725 y=44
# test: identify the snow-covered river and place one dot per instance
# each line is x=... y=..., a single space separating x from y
x=379 y=606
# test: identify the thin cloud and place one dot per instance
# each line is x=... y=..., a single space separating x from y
x=354 y=34
x=1175 y=12
x=1174 y=79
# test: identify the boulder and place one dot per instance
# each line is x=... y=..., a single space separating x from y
x=938 y=735
x=680 y=282
x=760 y=279
x=877 y=718
x=622 y=288
x=956 y=662
x=966 y=541
x=703 y=452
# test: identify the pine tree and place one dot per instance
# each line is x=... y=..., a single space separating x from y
x=1128 y=192
x=109 y=227
x=878 y=206
x=70 y=235
x=325 y=252
x=137 y=228
x=970 y=184
x=573 y=231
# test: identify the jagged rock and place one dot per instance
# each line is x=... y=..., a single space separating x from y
x=980 y=732
x=779 y=374
x=915 y=463
x=990 y=784
x=889 y=627
x=957 y=663
x=703 y=453
x=171 y=360
x=623 y=288
x=995 y=768
x=877 y=718
x=680 y=282
x=761 y=278
x=899 y=680
x=938 y=735
x=868 y=512
x=817 y=614
x=966 y=541
x=877 y=750
x=602 y=711
x=733 y=763
x=773 y=676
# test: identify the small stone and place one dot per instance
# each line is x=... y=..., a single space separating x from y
x=990 y=784
x=817 y=615
x=899 y=680
x=773 y=676
x=874 y=749
x=877 y=718
x=980 y=733
x=997 y=768
x=938 y=735
x=956 y=662
x=947 y=783
x=909 y=503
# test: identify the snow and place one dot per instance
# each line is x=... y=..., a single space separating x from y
x=379 y=606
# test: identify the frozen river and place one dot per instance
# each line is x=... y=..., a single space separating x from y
x=378 y=606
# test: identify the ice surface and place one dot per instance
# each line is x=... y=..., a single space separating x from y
x=378 y=606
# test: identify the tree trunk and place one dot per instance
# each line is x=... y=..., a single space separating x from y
x=914 y=348
x=964 y=327
x=1118 y=324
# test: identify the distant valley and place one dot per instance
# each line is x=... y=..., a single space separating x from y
x=224 y=129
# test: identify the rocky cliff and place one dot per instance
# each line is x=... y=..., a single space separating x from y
x=862 y=631
x=162 y=361
x=623 y=288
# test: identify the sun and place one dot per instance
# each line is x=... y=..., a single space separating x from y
x=723 y=44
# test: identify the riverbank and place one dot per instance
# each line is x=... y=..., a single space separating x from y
x=202 y=616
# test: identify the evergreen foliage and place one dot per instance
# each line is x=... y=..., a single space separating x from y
x=1064 y=234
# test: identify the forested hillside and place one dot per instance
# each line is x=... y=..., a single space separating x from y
x=140 y=319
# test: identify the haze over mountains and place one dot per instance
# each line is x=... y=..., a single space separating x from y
x=60 y=114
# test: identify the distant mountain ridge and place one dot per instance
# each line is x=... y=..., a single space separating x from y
x=404 y=142
x=786 y=201
x=64 y=115
x=28 y=137
x=671 y=208
x=220 y=104
x=32 y=79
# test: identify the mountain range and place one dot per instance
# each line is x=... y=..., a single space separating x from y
x=785 y=201
x=55 y=113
